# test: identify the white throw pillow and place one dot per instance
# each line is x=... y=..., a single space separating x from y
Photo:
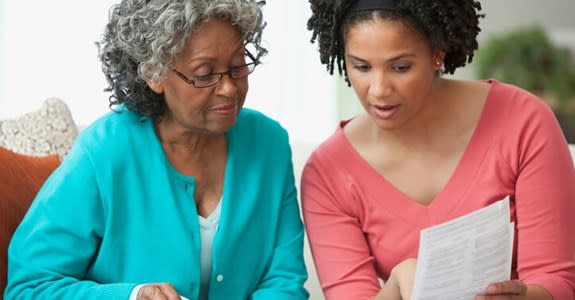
x=48 y=130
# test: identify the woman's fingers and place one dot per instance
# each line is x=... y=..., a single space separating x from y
x=501 y=297
x=158 y=291
x=510 y=289
x=507 y=287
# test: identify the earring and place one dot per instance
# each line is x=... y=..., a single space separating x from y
x=438 y=63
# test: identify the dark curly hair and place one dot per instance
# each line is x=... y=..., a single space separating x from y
x=448 y=25
x=143 y=37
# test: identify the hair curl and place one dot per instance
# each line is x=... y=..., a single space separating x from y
x=143 y=37
x=448 y=25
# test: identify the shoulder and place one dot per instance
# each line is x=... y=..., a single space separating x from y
x=250 y=119
x=522 y=121
x=333 y=153
x=256 y=128
x=515 y=99
x=330 y=170
x=516 y=110
x=335 y=146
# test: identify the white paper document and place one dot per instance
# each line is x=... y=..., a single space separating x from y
x=460 y=258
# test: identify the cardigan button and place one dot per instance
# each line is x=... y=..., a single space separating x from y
x=219 y=278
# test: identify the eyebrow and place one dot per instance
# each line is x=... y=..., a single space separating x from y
x=392 y=59
x=210 y=58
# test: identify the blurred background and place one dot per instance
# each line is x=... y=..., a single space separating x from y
x=47 y=50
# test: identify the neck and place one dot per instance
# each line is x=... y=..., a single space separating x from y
x=429 y=122
x=176 y=138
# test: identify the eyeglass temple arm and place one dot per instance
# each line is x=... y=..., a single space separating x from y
x=250 y=55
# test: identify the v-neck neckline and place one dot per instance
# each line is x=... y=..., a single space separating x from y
x=229 y=170
x=452 y=192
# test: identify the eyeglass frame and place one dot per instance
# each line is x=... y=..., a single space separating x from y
x=254 y=62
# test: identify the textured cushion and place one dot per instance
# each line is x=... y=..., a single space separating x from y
x=21 y=177
x=48 y=130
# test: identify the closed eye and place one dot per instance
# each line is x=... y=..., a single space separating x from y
x=362 y=68
x=401 y=68
x=206 y=77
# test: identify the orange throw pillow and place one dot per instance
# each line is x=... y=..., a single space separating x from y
x=21 y=177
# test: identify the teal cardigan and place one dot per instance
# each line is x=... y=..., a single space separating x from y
x=116 y=214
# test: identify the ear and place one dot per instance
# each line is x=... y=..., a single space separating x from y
x=157 y=86
x=438 y=59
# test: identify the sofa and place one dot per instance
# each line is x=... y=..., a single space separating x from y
x=31 y=147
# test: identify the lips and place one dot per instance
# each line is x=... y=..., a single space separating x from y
x=226 y=109
x=385 y=111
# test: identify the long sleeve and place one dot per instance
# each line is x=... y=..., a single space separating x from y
x=340 y=250
x=52 y=249
x=286 y=273
x=545 y=206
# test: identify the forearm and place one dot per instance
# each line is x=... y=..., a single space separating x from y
x=67 y=288
x=400 y=282
x=390 y=291
x=535 y=292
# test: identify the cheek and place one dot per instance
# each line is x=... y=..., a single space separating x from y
x=359 y=82
x=415 y=82
x=408 y=85
x=188 y=100
x=360 y=90
x=242 y=91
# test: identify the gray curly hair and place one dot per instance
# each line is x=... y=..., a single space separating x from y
x=143 y=37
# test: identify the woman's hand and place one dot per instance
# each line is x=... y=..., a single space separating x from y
x=400 y=282
x=404 y=274
x=158 y=291
x=504 y=290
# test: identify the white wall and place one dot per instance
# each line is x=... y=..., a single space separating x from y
x=509 y=14
x=2 y=55
x=49 y=51
x=292 y=85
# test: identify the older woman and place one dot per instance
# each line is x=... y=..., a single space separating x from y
x=179 y=192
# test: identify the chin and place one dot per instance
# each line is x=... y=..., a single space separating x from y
x=221 y=128
x=387 y=125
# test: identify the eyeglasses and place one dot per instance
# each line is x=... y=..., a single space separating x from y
x=214 y=78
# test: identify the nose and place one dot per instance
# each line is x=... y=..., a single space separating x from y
x=227 y=85
x=380 y=86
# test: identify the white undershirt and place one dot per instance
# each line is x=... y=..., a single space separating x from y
x=208 y=228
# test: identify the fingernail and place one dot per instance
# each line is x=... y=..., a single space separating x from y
x=491 y=289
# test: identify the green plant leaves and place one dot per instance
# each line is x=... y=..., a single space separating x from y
x=527 y=58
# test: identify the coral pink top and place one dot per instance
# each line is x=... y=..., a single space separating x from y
x=360 y=226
